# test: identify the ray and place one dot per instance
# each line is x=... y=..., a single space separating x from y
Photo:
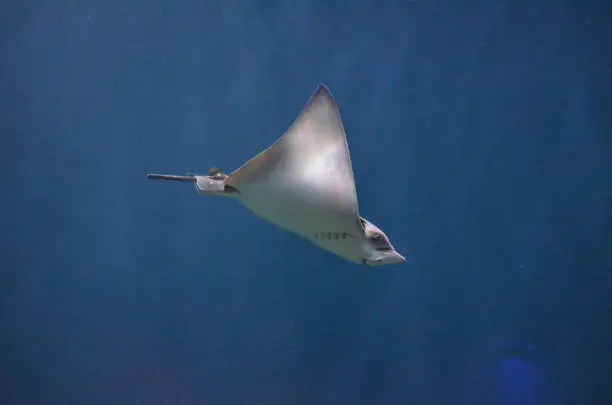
x=304 y=183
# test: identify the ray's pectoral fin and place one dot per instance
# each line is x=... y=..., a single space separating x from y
x=213 y=184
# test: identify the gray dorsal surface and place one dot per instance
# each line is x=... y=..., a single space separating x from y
x=304 y=181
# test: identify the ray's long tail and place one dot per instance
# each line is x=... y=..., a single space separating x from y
x=211 y=185
x=153 y=176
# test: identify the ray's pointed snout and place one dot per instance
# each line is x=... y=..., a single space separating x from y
x=389 y=257
x=396 y=258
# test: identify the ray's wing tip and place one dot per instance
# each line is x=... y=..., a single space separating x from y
x=322 y=95
x=323 y=90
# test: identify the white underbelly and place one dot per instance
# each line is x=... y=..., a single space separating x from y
x=304 y=215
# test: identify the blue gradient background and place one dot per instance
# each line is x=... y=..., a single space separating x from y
x=480 y=133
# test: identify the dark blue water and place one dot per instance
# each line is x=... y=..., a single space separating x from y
x=481 y=138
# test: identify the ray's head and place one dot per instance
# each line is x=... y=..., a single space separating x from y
x=377 y=249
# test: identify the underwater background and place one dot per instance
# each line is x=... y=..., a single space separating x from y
x=481 y=140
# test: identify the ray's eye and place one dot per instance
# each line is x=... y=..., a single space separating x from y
x=378 y=237
x=375 y=236
x=380 y=242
